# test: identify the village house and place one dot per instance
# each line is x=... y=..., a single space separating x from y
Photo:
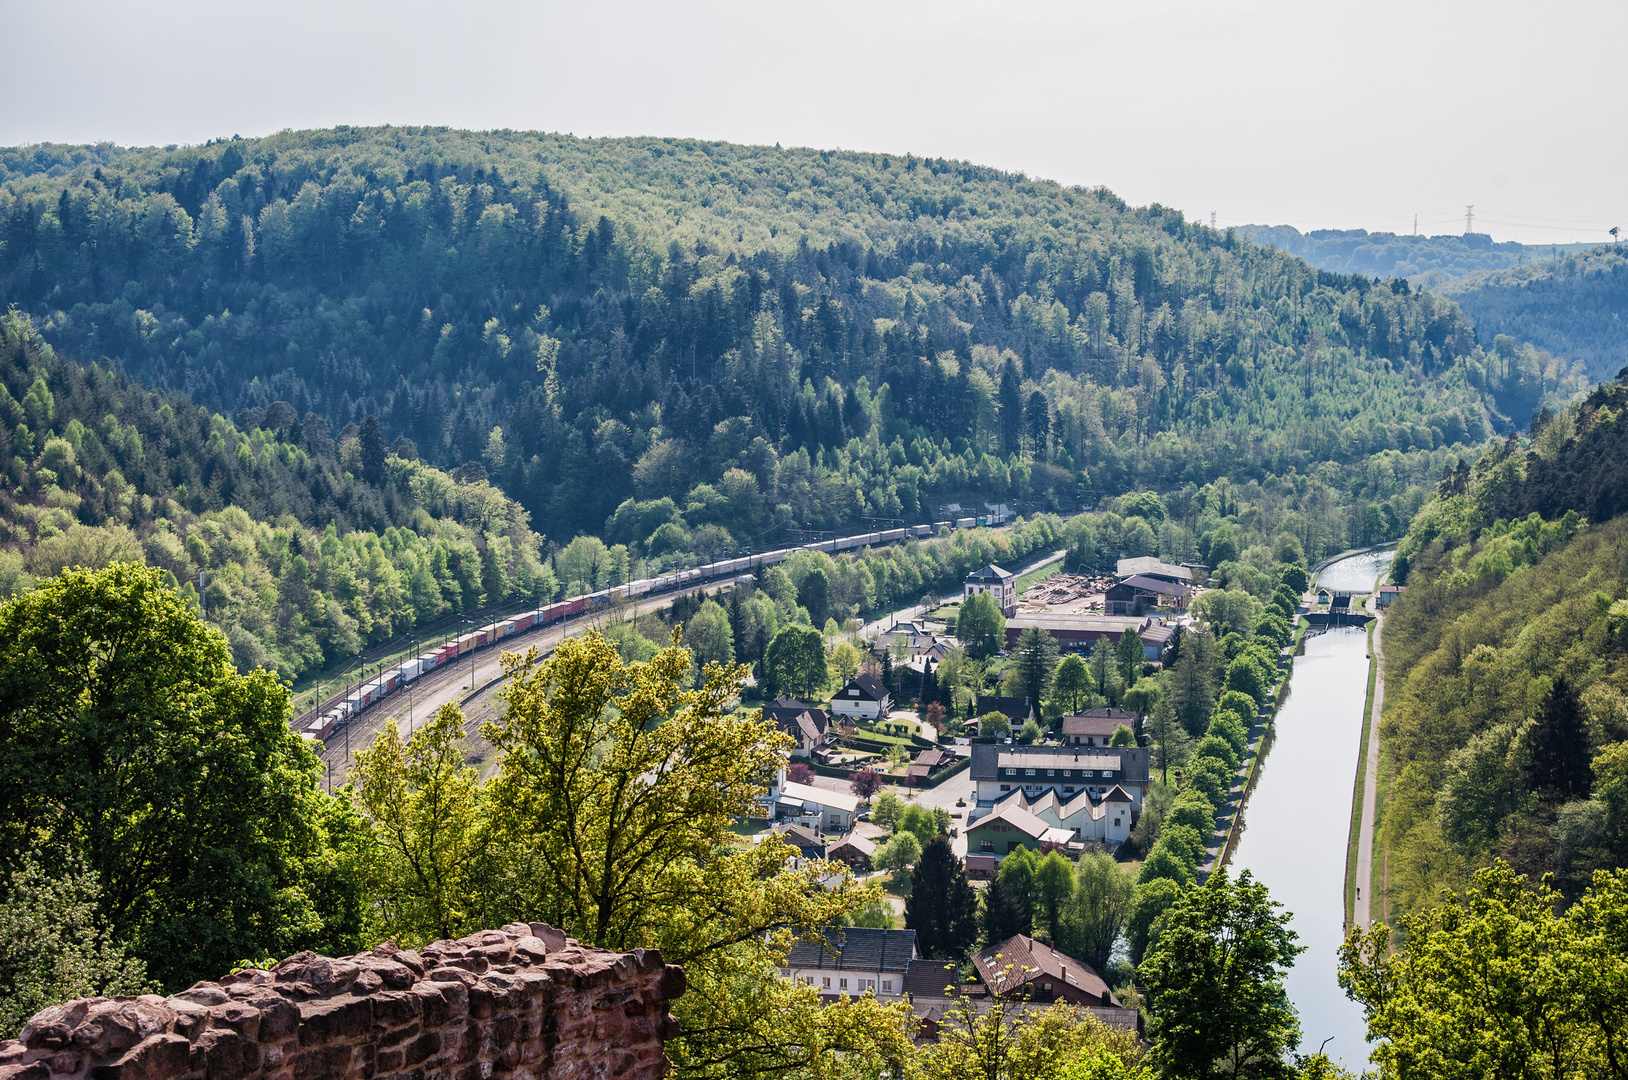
x=1001 y=585
x=1017 y=710
x=852 y=960
x=1387 y=594
x=1011 y=827
x=862 y=697
x=998 y=769
x=926 y=764
x=1096 y=727
x=809 y=727
x=1021 y=968
x=854 y=851
x=815 y=808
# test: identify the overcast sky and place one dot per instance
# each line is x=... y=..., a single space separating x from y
x=1319 y=115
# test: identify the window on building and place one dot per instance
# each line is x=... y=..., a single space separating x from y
x=842 y=984
x=1051 y=772
x=1045 y=987
x=986 y=845
x=1006 y=787
x=1068 y=789
x=887 y=985
x=1107 y=774
x=826 y=982
x=1087 y=772
x=1028 y=772
x=1116 y=823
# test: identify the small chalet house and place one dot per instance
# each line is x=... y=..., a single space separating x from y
x=1001 y=585
x=810 y=728
x=854 y=851
x=864 y=697
x=927 y=763
x=1017 y=710
x=1096 y=727
x=852 y=960
x=1021 y=968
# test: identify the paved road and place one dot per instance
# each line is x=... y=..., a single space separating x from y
x=1370 y=785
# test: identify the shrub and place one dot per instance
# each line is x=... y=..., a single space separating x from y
x=1165 y=862
x=1217 y=747
x=1229 y=726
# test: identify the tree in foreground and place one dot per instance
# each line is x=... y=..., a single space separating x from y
x=1004 y=1040
x=616 y=788
x=1497 y=983
x=431 y=844
x=54 y=944
x=943 y=906
x=1215 y=983
x=129 y=740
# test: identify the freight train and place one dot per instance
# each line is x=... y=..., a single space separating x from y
x=388 y=682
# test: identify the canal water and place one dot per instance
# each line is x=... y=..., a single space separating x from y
x=1298 y=820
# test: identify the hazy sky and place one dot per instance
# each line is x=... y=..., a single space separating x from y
x=1321 y=115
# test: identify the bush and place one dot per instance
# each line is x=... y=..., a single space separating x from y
x=1031 y=731
x=1165 y=862
x=1217 y=747
x=1194 y=812
x=1123 y=736
x=1152 y=899
x=1184 y=840
x=1229 y=725
x=1242 y=704
x=800 y=772
x=1210 y=778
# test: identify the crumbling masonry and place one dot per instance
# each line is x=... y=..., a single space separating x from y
x=521 y=1003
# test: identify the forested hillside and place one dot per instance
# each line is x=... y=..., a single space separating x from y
x=1506 y=722
x=314 y=543
x=1575 y=307
x=767 y=337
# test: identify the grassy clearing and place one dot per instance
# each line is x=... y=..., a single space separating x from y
x=1358 y=791
x=1039 y=574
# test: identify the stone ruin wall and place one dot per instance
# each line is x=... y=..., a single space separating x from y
x=521 y=1003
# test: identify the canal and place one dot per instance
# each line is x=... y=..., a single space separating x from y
x=1298 y=819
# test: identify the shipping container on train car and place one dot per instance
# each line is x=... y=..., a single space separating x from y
x=575 y=606
x=921 y=530
x=466 y=642
x=524 y=621
x=965 y=523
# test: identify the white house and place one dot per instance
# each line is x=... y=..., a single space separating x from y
x=864 y=697
x=852 y=960
x=814 y=808
x=998 y=770
x=1001 y=585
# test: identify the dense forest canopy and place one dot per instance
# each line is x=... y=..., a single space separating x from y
x=1506 y=723
x=768 y=337
x=313 y=543
x=1573 y=307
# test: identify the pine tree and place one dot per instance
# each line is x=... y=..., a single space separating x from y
x=943 y=907
x=1035 y=660
x=1006 y=912
x=1559 y=745
x=371 y=438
